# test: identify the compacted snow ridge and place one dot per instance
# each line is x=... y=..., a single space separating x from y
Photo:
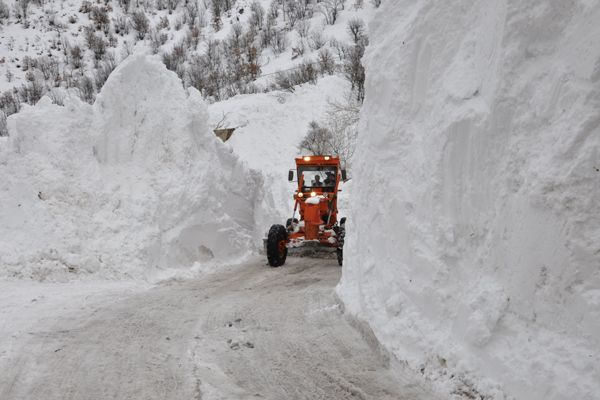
x=473 y=245
x=135 y=184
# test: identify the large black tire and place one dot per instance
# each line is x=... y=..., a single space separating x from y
x=341 y=232
x=276 y=245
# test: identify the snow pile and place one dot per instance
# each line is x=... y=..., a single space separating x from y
x=474 y=243
x=132 y=184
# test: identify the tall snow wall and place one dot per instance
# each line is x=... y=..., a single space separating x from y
x=130 y=186
x=473 y=247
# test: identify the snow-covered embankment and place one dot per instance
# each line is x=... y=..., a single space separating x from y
x=474 y=245
x=131 y=185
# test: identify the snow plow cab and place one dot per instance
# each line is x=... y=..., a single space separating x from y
x=316 y=229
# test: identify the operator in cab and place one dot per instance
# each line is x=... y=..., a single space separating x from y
x=316 y=182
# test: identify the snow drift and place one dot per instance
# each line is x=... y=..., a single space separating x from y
x=132 y=184
x=474 y=243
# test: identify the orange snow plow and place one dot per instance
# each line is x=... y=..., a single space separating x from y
x=316 y=229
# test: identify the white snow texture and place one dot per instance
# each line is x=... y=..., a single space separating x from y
x=473 y=246
x=134 y=184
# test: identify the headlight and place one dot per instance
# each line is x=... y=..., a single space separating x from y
x=313 y=194
x=306 y=158
x=300 y=194
x=327 y=158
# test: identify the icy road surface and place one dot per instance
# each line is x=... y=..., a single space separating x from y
x=249 y=332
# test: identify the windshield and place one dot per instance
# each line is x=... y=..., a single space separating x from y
x=318 y=177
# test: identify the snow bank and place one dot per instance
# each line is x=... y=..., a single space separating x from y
x=128 y=186
x=480 y=138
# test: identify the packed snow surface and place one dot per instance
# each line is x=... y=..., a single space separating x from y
x=134 y=184
x=480 y=137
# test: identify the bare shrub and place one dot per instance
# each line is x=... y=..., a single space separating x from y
x=104 y=70
x=267 y=33
x=76 y=57
x=3 y=124
x=191 y=14
x=57 y=96
x=174 y=60
x=32 y=91
x=206 y=72
x=304 y=73
x=22 y=11
x=326 y=61
x=340 y=48
x=192 y=38
x=125 y=4
x=172 y=5
x=274 y=9
x=10 y=103
x=99 y=16
x=85 y=7
x=140 y=24
x=98 y=46
x=163 y=23
x=279 y=41
x=86 y=89
x=317 y=40
x=48 y=67
x=303 y=27
x=157 y=39
x=257 y=19
x=121 y=24
x=4 y=15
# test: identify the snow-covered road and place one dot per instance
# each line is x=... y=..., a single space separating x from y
x=246 y=332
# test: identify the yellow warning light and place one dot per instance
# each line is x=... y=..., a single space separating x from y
x=327 y=158
x=307 y=158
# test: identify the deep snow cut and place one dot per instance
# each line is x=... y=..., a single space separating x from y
x=134 y=184
x=474 y=242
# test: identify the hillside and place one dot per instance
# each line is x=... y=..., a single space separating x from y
x=222 y=48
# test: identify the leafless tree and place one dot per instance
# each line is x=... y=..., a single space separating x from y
x=355 y=72
x=356 y=29
x=317 y=140
x=331 y=10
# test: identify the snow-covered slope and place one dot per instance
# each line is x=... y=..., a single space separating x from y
x=133 y=184
x=269 y=128
x=473 y=248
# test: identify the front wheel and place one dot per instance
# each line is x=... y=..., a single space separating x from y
x=340 y=256
x=276 y=246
